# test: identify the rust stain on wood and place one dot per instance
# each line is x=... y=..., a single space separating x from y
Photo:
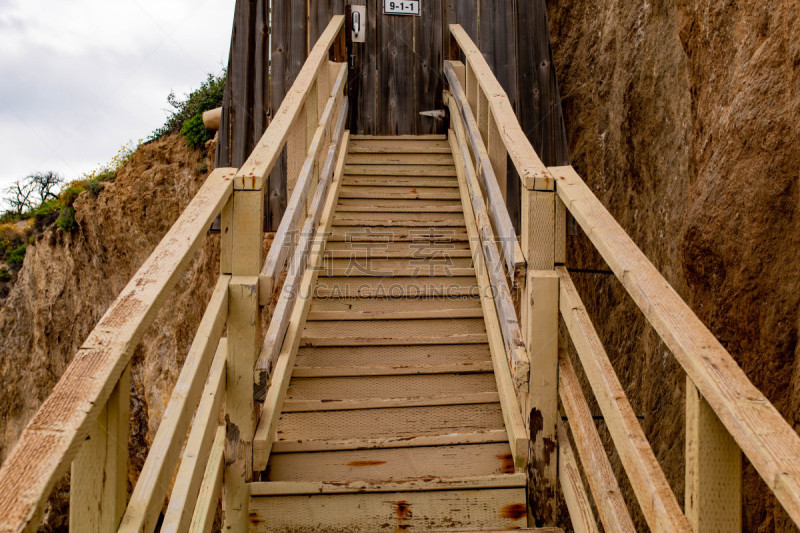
x=514 y=511
x=366 y=463
x=507 y=462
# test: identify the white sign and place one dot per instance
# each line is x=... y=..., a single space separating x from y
x=401 y=7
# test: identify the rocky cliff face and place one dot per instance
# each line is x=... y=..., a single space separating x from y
x=69 y=280
x=684 y=119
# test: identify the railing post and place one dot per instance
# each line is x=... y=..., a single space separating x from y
x=540 y=328
x=713 y=469
x=243 y=221
x=99 y=474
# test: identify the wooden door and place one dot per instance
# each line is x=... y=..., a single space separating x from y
x=397 y=72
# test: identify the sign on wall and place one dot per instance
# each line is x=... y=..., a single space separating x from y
x=401 y=7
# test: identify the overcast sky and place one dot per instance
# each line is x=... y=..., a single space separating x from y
x=80 y=78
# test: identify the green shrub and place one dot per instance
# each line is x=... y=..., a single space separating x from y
x=208 y=96
x=195 y=132
x=17 y=256
x=5 y=275
x=94 y=187
x=66 y=221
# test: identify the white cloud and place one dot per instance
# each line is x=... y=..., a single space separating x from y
x=79 y=79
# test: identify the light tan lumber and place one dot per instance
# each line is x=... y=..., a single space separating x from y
x=226 y=238
x=210 y=489
x=151 y=488
x=538 y=229
x=99 y=480
x=533 y=173
x=392 y=360
x=394 y=332
x=768 y=441
x=254 y=172
x=399 y=193
x=297 y=148
x=713 y=469
x=540 y=322
x=391 y=138
x=560 y=255
x=212 y=119
x=471 y=88
x=397 y=315
x=282 y=313
x=247 y=226
x=461 y=72
x=658 y=502
x=391 y=464
x=392 y=370
x=419 y=511
x=389 y=250
x=517 y=434
x=402 y=307
x=498 y=155
x=399 y=147
x=296 y=406
x=604 y=487
x=244 y=340
x=55 y=434
x=289 y=488
x=387 y=160
x=197 y=450
x=481 y=235
x=401 y=181
x=379 y=220
x=382 y=267
x=572 y=489
x=398 y=287
x=392 y=234
x=282 y=372
x=473 y=436
x=399 y=170
x=399 y=206
x=466 y=127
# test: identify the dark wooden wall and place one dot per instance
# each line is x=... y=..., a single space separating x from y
x=393 y=77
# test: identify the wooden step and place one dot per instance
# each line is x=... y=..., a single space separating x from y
x=496 y=502
x=393 y=138
x=399 y=170
x=394 y=308
x=399 y=181
x=398 y=193
x=383 y=146
x=413 y=250
x=394 y=332
x=388 y=234
x=369 y=266
x=392 y=360
x=393 y=463
x=390 y=425
x=384 y=160
x=399 y=206
x=381 y=220
x=398 y=287
x=373 y=392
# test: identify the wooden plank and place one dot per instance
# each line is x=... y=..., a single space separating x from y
x=384 y=160
x=395 y=66
x=415 y=250
x=478 y=436
x=399 y=170
x=399 y=206
x=658 y=502
x=465 y=128
x=392 y=138
x=607 y=496
x=387 y=359
x=198 y=448
x=399 y=287
x=399 y=219
x=428 y=54
x=516 y=352
x=393 y=332
x=281 y=375
x=713 y=469
x=53 y=437
x=399 y=147
x=210 y=489
x=572 y=489
x=253 y=173
x=296 y=406
x=400 y=181
x=767 y=440
x=364 y=80
x=98 y=489
x=147 y=500
x=291 y=488
x=407 y=312
x=393 y=370
x=393 y=463
x=371 y=269
x=399 y=193
x=517 y=434
x=533 y=173
x=393 y=234
x=495 y=508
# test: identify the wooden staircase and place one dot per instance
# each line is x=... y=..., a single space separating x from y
x=392 y=419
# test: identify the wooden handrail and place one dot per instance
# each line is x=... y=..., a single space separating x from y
x=53 y=437
x=768 y=441
x=255 y=170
